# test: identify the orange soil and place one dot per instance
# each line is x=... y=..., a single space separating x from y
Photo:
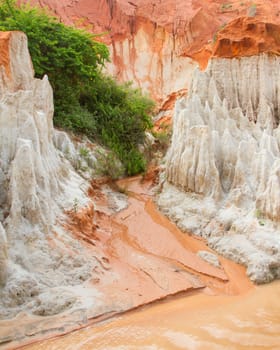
x=242 y=37
x=143 y=257
x=5 y=51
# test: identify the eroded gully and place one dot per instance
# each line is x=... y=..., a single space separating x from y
x=224 y=312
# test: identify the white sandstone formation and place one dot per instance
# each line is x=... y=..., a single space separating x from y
x=223 y=165
x=34 y=190
x=209 y=257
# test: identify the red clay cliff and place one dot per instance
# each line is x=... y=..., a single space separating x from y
x=150 y=41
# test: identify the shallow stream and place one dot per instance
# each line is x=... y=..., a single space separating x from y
x=223 y=315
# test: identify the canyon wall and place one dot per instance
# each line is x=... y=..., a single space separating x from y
x=156 y=44
x=224 y=162
x=34 y=182
x=70 y=251
x=225 y=144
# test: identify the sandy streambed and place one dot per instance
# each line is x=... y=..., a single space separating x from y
x=194 y=322
x=142 y=258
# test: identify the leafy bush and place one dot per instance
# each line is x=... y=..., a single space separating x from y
x=69 y=56
x=121 y=116
x=226 y=6
x=108 y=165
x=85 y=100
x=252 y=11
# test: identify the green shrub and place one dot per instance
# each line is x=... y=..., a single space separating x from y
x=226 y=6
x=108 y=165
x=85 y=100
x=163 y=139
x=252 y=11
x=121 y=117
x=69 y=57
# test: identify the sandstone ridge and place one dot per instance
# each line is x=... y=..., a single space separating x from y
x=70 y=249
x=224 y=161
x=149 y=41
x=242 y=37
x=33 y=180
x=247 y=37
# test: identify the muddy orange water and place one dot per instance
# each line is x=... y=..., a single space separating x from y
x=220 y=308
x=201 y=322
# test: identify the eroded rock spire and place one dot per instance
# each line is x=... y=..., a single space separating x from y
x=225 y=156
x=33 y=191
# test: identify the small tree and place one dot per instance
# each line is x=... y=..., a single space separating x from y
x=69 y=57
x=85 y=100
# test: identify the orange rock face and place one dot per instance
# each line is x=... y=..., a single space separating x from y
x=247 y=37
x=244 y=36
x=5 y=54
x=151 y=42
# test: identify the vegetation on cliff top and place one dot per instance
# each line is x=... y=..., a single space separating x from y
x=86 y=101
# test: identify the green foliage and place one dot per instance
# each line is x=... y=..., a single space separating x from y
x=214 y=39
x=226 y=6
x=215 y=36
x=260 y=216
x=163 y=137
x=84 y=152
x=121 y=117
x=69 y=56
x=252 y=11
x=85 y=100
x=75 y=205
x=108 y=165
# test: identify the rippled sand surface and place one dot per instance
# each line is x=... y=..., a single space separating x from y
x=250 y=321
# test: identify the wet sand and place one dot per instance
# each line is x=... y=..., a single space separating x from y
x=195 y=322
x=208 y=307
x=228 y=313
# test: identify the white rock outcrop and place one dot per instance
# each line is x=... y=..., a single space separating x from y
x=3 y=256
x=34 y=189
x=223 y=165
